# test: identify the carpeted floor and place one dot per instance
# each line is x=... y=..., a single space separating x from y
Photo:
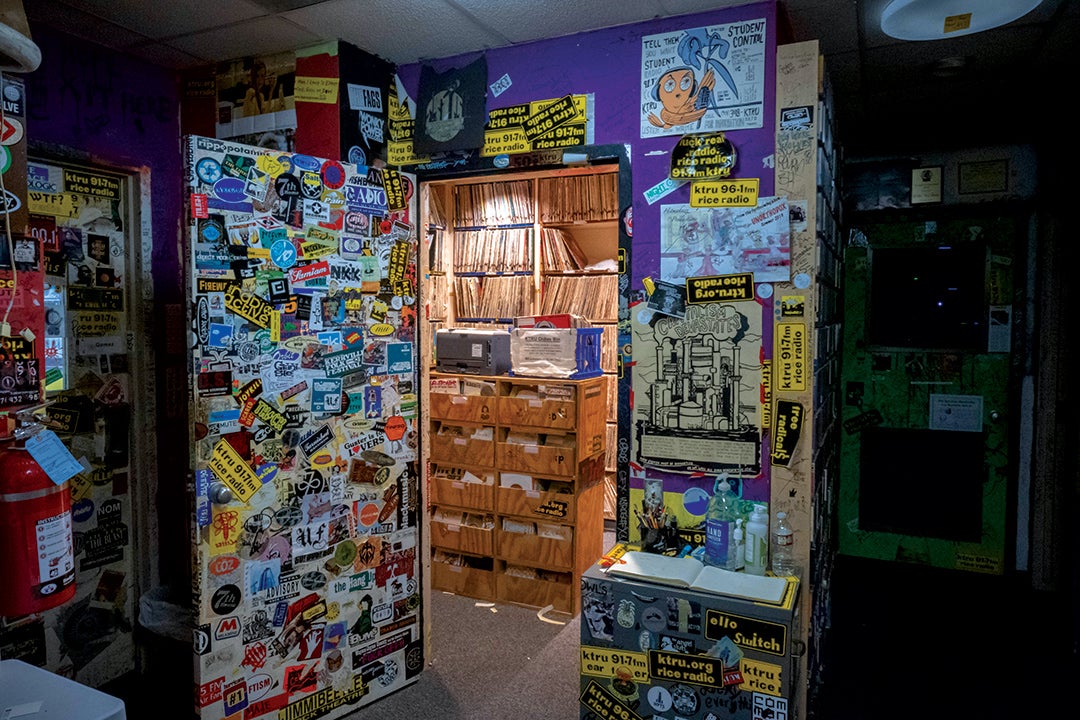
x=490 y=660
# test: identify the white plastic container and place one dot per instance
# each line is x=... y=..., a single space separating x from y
x=757 y=541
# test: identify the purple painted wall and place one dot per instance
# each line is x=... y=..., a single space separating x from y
x=607 y=63
x=118 y=110
x=90 y=104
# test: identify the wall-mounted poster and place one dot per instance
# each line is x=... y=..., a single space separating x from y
x=704 y=79
x=452 y=108
x=725 y=241
x=697 y=389
x=255 y=102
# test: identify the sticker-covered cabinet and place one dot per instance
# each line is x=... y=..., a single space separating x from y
x=302 y=277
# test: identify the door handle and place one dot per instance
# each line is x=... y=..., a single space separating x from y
x=219 y=494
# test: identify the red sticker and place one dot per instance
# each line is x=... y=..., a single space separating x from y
x=200 y=206
x=333 y=174
x=224 y=564
x=395 y=427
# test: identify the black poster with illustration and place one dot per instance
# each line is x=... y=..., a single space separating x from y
x=452 y=108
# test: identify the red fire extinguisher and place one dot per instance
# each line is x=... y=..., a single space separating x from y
x=37 y=562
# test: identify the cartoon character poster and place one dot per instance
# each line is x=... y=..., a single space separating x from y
x=704 y=79
x=723 y=241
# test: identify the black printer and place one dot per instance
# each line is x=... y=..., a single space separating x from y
x=476 y=352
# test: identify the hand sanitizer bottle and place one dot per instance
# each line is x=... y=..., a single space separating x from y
x=720 y=526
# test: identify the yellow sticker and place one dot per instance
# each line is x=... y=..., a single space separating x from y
x=224 y=530
x=315 y=250
x=609 y=663
x=231 y=469
x=275 y=328
x=725 y=193
x=315 y=90
x=763 y=677
x=269 y=165
x=789 y=357
x=956 y=23
x=65 y=205
x=80 y=487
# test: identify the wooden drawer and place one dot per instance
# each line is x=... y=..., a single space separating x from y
x=462 y=580
x=555 y=414
x=463 y=538
x=445 y=489
x=536 y=592
x=462 y=449
x=463 y=408
x=536 y=550
x=536 y=459
x=551 y=506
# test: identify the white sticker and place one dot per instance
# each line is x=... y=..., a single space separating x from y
x=365 y=98
x=662 y=189
x=501 y=85
x=54 y=552
x=477 y=350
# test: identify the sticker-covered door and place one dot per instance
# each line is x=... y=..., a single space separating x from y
x=302 y=277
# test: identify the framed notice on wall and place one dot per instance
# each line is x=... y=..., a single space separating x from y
x=926 y=185
x=983 y=177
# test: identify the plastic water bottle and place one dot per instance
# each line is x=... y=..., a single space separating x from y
x=720 y=526
x=740 y=546
x=757 y=541
x=783 y=547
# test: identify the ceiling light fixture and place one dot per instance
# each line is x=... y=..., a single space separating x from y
x=939 y=19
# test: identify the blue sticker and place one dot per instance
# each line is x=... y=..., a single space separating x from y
x=399 y=358
x=266 y=473
x=695 y=501
x=82 y=510
x=231 y=190
x=283 y=254
x=306 y=162
x=501 y=161
x=237 y=207
x=208 y=170
x=357 y=156
x=326 y=396
x=220 y=335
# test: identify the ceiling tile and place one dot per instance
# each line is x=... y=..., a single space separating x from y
x=80 y=24
x=686 y=7
x=165 y=55
x=166 y=19
x=836 y=29
x=526 y=20
x=401 y=31
x=262 y=36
